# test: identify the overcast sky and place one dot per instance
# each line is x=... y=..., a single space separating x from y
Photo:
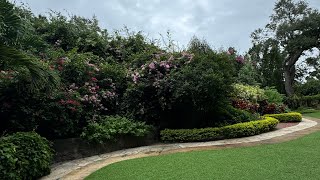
x=223 y=23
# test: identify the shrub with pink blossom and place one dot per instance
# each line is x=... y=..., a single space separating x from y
x=186 y=86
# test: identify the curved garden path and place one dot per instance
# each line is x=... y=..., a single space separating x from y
x=80 y=168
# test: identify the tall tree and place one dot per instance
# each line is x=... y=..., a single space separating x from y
x=295 y=27
x=269 y=60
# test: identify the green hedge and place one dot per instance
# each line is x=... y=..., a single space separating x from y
x=24 y=155
x=287 y=117
x=231 y=131
x=303 y=101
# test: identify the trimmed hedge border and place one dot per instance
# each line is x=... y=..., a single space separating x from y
x=208 y=134
x=287 y=117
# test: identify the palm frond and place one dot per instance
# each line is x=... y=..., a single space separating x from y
x=10 y=23
x=40 y=76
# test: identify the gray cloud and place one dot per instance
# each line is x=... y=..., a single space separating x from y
x=222 y=23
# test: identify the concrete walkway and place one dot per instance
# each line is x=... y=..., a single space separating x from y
x=80 y=168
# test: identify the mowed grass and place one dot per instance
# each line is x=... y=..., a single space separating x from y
x=314 y=114
x=298 y=159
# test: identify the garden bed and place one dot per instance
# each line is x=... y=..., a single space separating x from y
x=285 y=125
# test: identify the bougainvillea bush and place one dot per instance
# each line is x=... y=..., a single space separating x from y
x=88 y=89
x=105 y=73
x=179 y=90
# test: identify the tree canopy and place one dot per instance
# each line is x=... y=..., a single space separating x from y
x=295 y=28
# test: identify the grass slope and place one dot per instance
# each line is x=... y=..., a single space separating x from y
x=298 y=159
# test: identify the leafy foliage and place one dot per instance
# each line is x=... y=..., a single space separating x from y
x=250 y=93
x=293 y=29
x=257 y=100
x=110 y=128
x=295 y=102
x=273 y=96
x=248 y=73
x=311 y=87
x=24 y=156
x=230 y=115
x=268 y=64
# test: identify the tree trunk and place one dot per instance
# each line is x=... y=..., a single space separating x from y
x=288 y=80
x=290 y=71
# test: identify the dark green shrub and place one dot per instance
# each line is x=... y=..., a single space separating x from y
x=304 y=110
x=112 y=127
x=24 y=155
x=295 y=102
x=310 y=88
x=310 y=101
x=273 y=96
x=8 y=161
x=230 y=115
x=286 y=117
x=231 y=131
x=199 y=90
x=62 y=117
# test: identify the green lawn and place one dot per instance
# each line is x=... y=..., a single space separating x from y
x=298 y=159
x=314 y=114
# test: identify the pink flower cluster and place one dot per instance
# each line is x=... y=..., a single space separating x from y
x=93 y=66
x=69 y=101
x=60 y=63
x=162 y=64
x=240 y=59
x=135 y=77
x=108 y=94
x=157 y=69
x=95 y=95
x=231 y=51
x=92 y=97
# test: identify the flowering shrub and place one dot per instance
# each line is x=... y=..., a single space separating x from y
x=148 y=94
x=77 y=68
x=61 y=116
x=187 y=87
x=97 y=91
x=88 y=90
x=106 y=74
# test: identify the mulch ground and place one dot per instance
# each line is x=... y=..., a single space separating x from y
x=285 y=125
